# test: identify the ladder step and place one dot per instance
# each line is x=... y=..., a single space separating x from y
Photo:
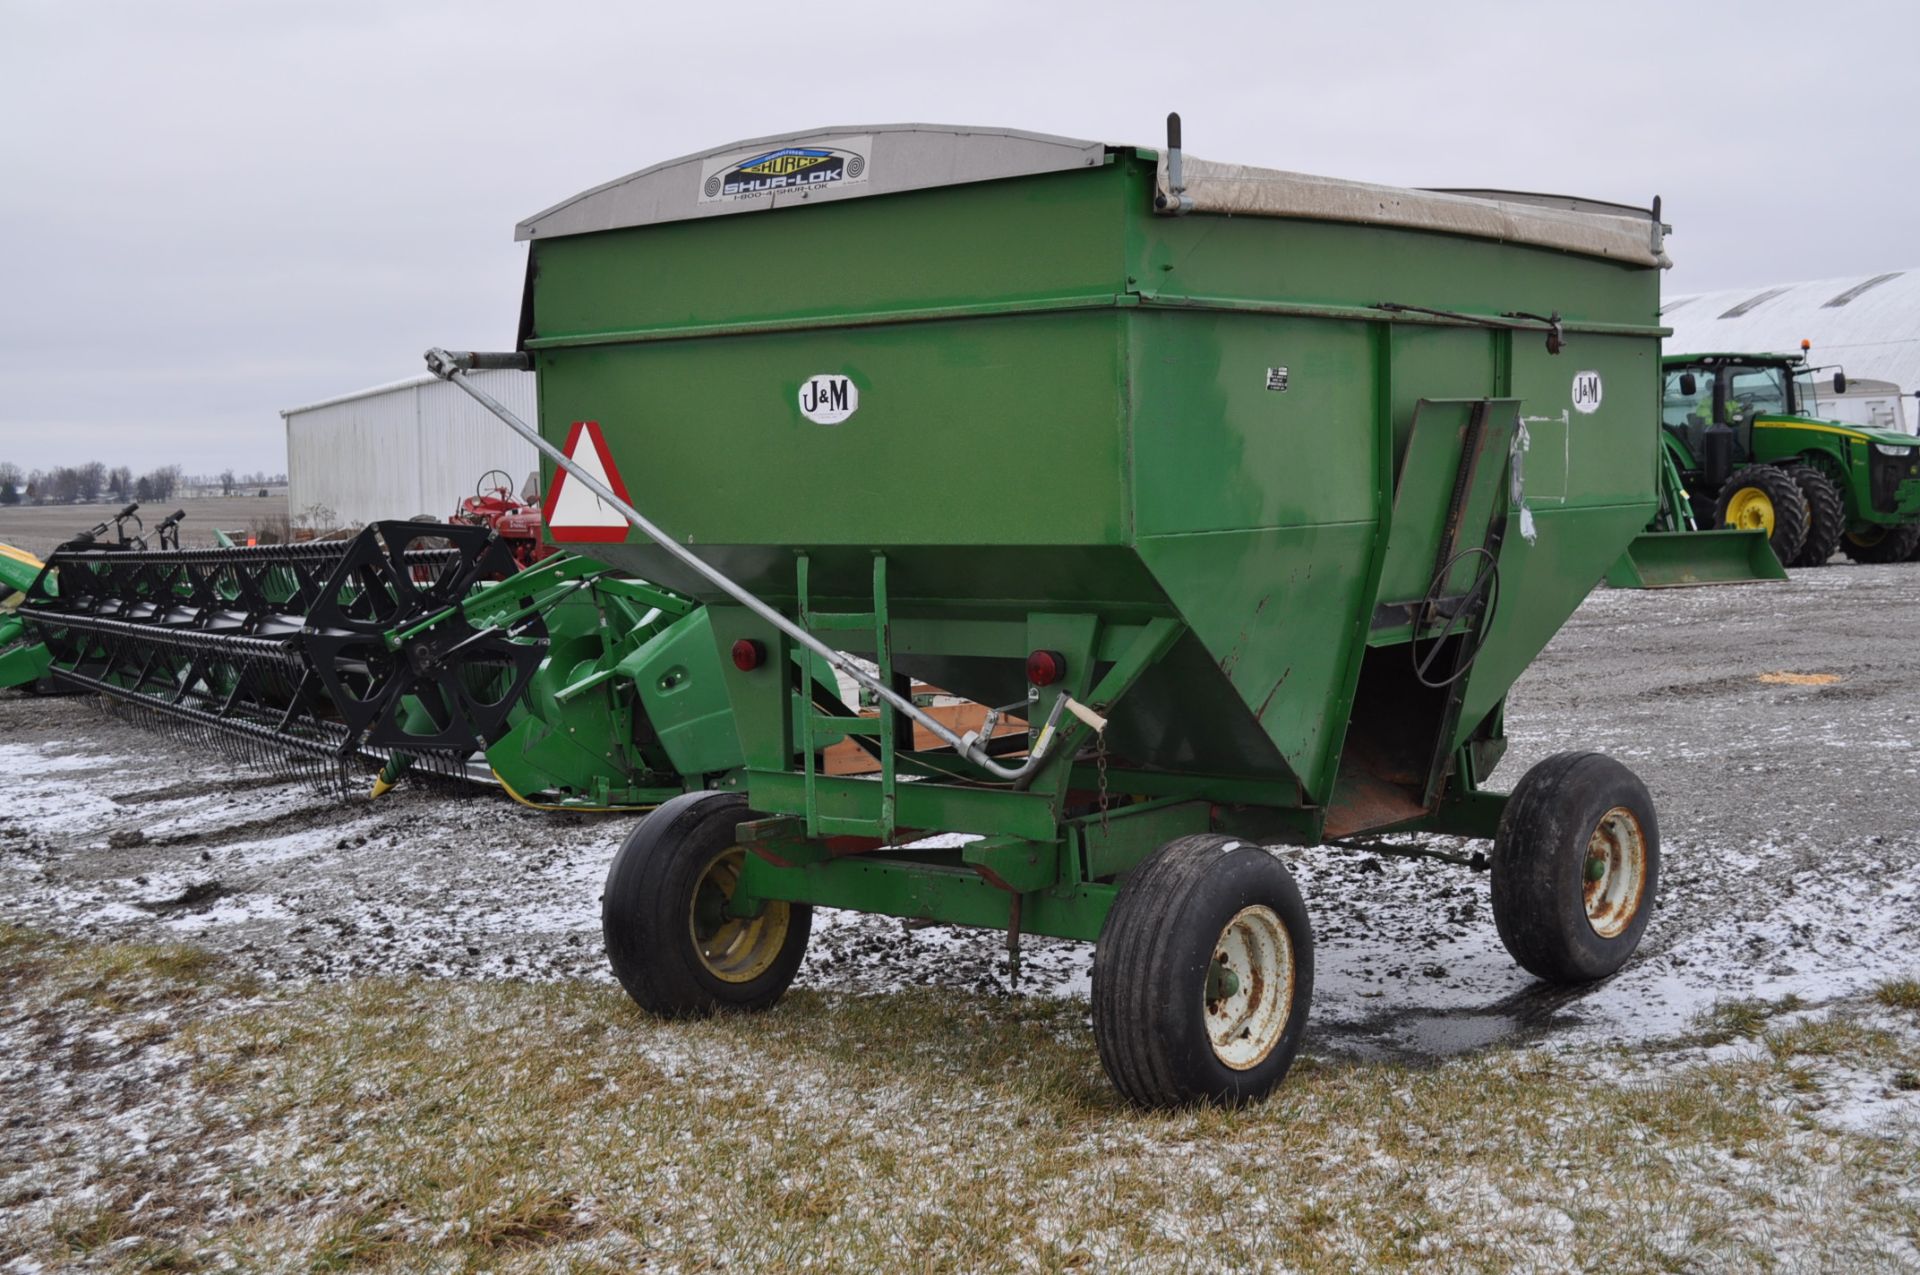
x=843 y=726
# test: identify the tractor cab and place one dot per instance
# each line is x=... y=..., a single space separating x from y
x=1710 y=402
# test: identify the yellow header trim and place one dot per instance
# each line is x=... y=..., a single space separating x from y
x=581 y=810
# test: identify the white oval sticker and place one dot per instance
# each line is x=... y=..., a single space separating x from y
x=828 y=399
x=1586 y=392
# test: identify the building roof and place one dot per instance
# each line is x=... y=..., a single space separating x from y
x=1868 y=324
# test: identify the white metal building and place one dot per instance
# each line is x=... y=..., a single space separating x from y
x=393 y=451
x=1868 y=324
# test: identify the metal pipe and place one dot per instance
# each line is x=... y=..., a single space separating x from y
x=448 y=366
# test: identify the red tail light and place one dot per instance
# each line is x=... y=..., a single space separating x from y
x=1044 y=668
x=747 y=655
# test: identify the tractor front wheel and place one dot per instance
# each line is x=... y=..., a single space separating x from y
x=1202 y=975
x=1826 y=516
x=673 y=938
x=1877 y=543
x=1575 y=865
x=1765 y=498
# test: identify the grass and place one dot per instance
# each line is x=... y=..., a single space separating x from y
x=392 y=1125
x=1899 y=993
x=1732 y=1020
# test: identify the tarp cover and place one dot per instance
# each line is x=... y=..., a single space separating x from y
x=793 y=169
x=1242 y=190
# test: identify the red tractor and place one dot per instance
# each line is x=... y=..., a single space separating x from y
x=518 y=523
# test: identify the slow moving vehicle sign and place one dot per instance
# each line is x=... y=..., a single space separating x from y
x=574 y=513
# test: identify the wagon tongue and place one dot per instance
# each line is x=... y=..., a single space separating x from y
x=323 y=658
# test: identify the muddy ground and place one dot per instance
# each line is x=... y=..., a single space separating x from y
x=39 y=528
x=1788 y=807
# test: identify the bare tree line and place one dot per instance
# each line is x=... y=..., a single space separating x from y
x=93 y=481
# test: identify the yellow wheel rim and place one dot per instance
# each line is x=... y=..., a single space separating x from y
x=1750 y=510
x=735 y=949
x=1869 y=539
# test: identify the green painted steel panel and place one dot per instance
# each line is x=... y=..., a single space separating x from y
x=677 y=675
x=1049 y=237
x=1003 y=432
x=1142 y=454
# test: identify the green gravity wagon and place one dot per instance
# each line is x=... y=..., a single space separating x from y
x=1249 y=493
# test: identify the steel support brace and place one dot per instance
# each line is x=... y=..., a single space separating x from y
x=847 y=804
x=933 y=892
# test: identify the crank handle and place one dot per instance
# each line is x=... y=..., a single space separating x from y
x=1094 y=721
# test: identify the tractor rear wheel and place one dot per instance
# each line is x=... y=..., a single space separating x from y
x=672 y=942
x=1203 y=975
x=1826 y=516
x=1880 y=543
x=1765 y=498
x=1575 y=866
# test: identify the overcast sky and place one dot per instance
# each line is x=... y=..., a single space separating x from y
x=212 y=211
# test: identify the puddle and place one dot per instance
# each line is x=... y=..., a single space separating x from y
x=1427 y=1035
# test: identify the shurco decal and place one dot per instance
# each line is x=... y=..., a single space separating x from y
x=783 y=170
x=1586 y=392
x=828 y=400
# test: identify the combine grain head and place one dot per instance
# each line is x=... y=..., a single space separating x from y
x=294 y=657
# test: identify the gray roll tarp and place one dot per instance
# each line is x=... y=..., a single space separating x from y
x=1241 y=190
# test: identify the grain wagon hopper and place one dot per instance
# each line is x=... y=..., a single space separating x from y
x=1251 y=493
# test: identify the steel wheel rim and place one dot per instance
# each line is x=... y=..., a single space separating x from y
x=1248 y=995
x=1614 y=878
x=734 y=949
x=1751 y=510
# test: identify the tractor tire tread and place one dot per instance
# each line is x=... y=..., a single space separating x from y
x=1897 y=545
x=1790 y=515
x=1826 y=516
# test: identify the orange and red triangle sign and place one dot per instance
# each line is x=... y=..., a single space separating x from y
x=571 y=511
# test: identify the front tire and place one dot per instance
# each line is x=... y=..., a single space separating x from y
x=1203 y=975
x=1879 y=543
x=669 y=937
x=1765 y=498
x=1576 y=864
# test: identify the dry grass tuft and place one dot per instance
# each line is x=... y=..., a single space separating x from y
x=1739 y=1020
x=1899 y=993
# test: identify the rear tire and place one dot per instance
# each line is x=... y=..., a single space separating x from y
x=1881 y=543
x=1765 y=498
x=1576 y=864
x=1203 y=975
x=669 y=940
x=1826 y=516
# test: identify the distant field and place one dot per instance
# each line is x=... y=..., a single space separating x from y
x=38 y=528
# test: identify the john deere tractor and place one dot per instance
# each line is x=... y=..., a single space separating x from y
x=1744 y=433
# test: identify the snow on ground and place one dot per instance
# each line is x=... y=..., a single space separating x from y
x=1790 y=825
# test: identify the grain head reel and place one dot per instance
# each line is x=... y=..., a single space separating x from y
x=324 y=657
